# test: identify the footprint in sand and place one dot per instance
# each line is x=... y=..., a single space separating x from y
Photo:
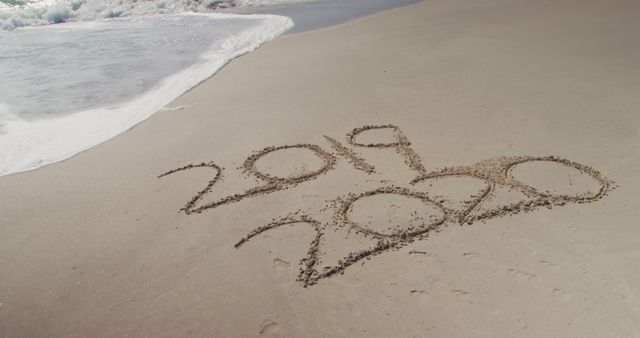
x=471 y=255
x=522 y=275
x=461 y=294
x=562 y=294
x=268 y=326
x=280 y=263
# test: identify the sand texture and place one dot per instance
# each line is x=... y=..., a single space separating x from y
x=448 y=169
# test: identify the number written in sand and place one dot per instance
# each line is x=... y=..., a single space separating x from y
x=271 y=184
x=498 y=187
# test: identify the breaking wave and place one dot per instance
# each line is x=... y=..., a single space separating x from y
x=23 y=13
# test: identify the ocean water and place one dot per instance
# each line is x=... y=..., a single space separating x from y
x=68 y=87
x=22 y=13
x=77 y=66
x=78 y=72
x=310 y=15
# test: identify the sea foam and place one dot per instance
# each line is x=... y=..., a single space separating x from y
x=24 y=13
x=71 y=86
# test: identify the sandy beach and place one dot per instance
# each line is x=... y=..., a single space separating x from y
x=446 y=169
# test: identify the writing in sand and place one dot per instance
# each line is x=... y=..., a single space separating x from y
x=500 y=186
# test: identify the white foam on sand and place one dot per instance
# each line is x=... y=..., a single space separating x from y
x=29 y=142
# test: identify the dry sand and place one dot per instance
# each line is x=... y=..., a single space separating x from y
x=449 y=169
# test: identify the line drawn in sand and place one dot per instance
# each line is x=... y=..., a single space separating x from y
x=495 y=175
x=272 y=183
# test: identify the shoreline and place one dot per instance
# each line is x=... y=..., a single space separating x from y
x=463 y=150
x=28 y=144
x=55 y=156
x=315 y=15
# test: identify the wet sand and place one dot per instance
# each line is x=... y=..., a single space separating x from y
x=448 y=169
